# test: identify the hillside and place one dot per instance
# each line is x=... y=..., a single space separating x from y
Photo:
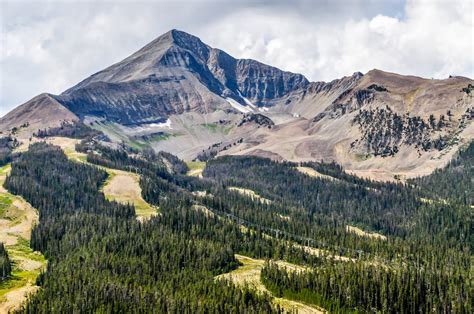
x=244 y=219
x=377 y=125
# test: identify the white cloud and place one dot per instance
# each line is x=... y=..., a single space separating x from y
x=433 y=39
x=49 y=46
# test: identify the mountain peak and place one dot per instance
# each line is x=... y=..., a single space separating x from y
x=174 y=73
x=175 y=37
x=179 y=35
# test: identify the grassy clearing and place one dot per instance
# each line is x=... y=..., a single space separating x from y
x=249 y=274
x=217 y=128
x=5 y=204
x=27 y=265
x=431 y=201
x=362 y=157
x=211 y=127
x=124 y=187
x=5 y=169
x=195 y=168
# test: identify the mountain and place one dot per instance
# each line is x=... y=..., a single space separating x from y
x=175 y=73
x=180 y=95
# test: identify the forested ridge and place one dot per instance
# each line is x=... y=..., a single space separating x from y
x=426 y=260
x=102 y=259
x=358 y=287
x=454 y=182
x=384 y=131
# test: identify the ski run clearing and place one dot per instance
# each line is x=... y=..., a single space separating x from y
x=313 y=173
x=17 y=218
x=363 y=233
x=249 y=274
x=124 y=187
x=250 y=194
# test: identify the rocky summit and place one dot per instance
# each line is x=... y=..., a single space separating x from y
x=173 y=74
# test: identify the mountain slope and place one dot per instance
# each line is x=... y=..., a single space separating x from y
x=179 y=95
x=43 y=110
x=434 y=116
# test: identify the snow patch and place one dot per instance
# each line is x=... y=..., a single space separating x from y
x=238 y=106
x=248 y=102
x=152 y=126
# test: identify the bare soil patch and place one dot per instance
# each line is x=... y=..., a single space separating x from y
x=13 y=299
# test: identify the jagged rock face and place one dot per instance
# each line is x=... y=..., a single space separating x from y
x=261 y=83
x=177 y=72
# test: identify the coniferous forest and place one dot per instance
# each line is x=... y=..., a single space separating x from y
x=102 y=259
x=5 y=265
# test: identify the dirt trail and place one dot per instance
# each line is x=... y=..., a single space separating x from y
x=16 y=220
x=249 y=273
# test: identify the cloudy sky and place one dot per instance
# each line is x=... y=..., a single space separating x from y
x=48 y=46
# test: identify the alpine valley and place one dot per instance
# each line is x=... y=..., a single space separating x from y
x=184 y=180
